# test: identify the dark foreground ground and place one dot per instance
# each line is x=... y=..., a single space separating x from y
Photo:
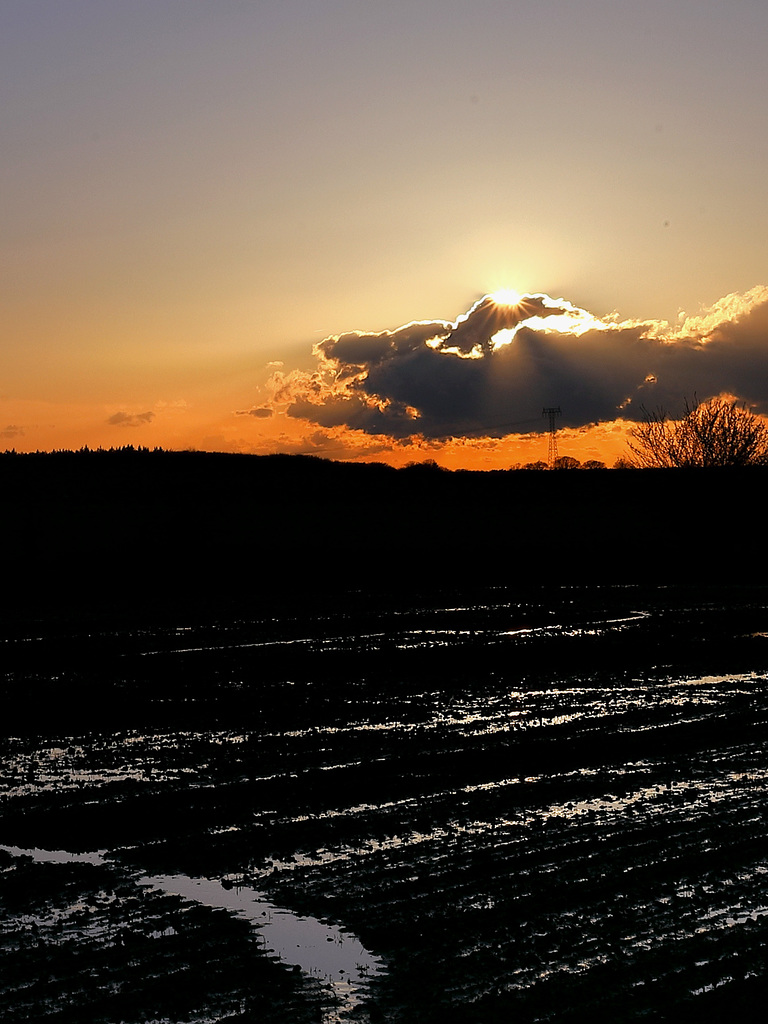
x=532 y=804
x=145 y=534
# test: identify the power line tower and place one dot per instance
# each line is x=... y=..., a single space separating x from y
x=552 y=412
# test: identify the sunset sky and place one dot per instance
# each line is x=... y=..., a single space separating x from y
x=269 y=225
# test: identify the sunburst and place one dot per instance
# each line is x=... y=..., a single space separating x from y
x=506 y=297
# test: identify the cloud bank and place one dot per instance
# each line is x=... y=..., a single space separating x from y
x=492 y=370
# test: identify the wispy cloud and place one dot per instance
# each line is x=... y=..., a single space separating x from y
x=261 y=412
x=130 y=419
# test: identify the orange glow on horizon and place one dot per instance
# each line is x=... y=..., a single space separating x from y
x=202 y=427
x=320 y=400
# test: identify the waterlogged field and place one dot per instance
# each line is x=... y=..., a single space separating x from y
x=465 y=808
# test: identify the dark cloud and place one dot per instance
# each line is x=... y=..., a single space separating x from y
x=261 y=413
x=439 y=379
x=472 y=332
x=130 y=419
x=12 y=431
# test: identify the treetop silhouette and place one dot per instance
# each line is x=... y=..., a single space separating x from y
x=716 y=433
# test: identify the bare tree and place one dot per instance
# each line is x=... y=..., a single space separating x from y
x=717 y=432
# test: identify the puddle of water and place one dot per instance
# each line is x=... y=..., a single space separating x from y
x=323 y=951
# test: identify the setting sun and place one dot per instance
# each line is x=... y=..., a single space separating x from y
x=506 y=297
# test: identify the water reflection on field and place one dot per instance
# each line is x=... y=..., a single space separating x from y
x=539 y=811
x=322 y=950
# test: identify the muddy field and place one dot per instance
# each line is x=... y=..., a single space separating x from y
x=461 y=808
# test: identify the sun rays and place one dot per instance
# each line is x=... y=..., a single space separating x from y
x=506 y=297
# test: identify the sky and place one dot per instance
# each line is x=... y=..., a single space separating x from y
x=279 y=225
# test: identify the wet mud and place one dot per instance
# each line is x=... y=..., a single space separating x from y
x=487 y=806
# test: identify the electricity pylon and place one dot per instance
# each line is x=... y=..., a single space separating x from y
x=552 y=412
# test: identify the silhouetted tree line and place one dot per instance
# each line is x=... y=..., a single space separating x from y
x=125 y=449
x=563 y=462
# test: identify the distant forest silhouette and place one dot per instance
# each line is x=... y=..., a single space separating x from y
x=137 y=531
x=563 y=462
